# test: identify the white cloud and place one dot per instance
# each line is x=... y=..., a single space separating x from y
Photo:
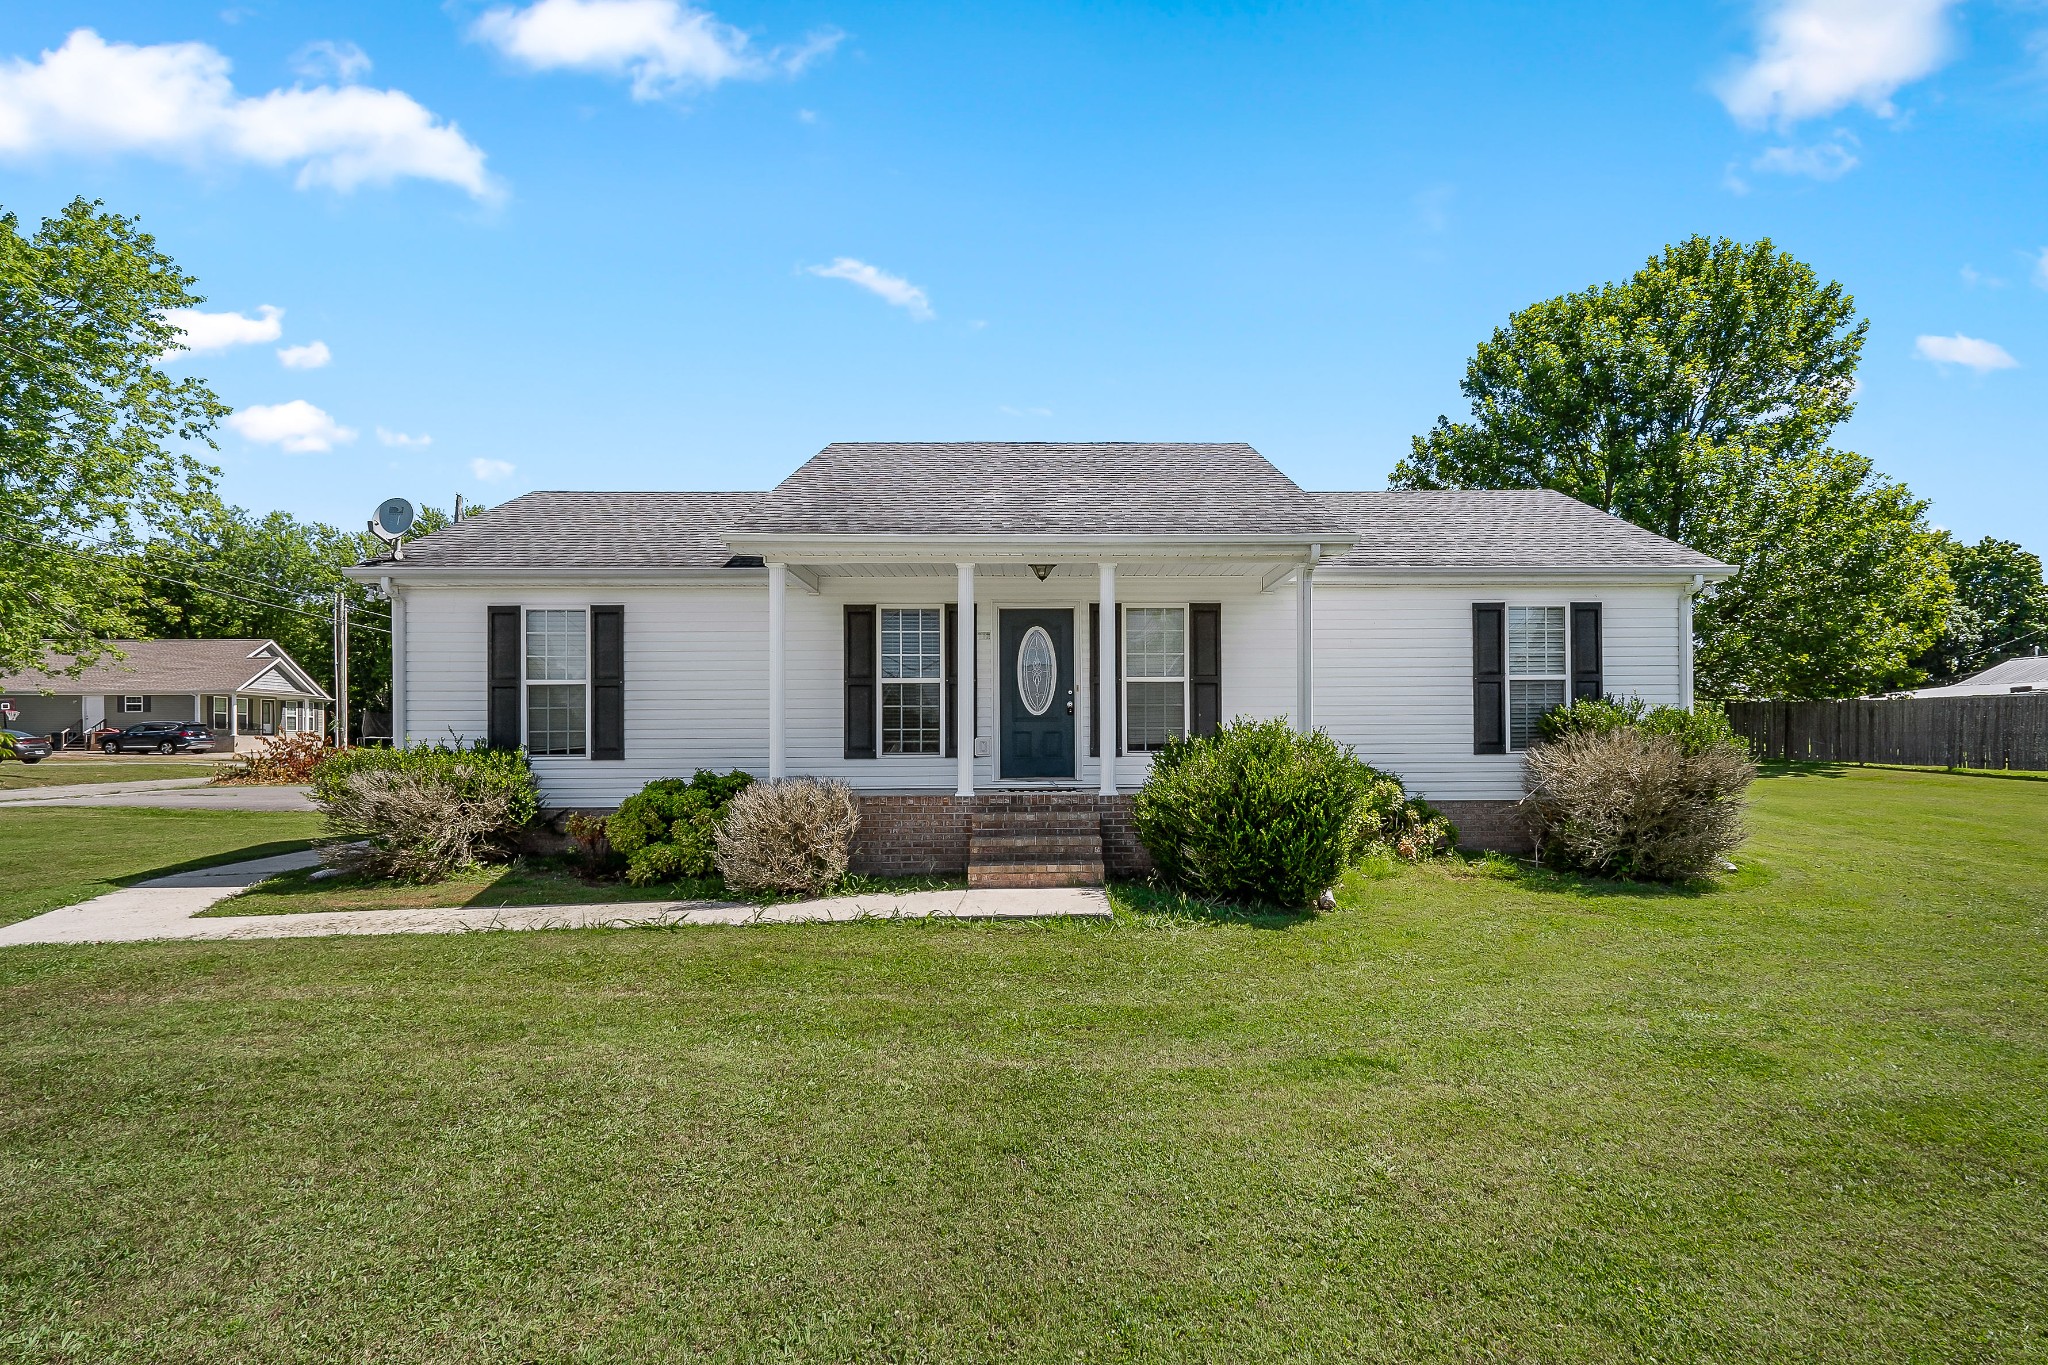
x=218 y=331
x=663 y=46
x=1817 y=56
x=893 y=288
x=1829 y=160
x=1970 y=352
x=311 y=356
x=174 y=101
x=489 y=471
x=297 y=426
x=1974 y=278
x=399 y=438
x=2041 y=268
x=324 y=59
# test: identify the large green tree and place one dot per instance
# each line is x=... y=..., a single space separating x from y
x=1696 y=398
x=96 y=439
x=2001 y=607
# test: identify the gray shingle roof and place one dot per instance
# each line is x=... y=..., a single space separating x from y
x=159 y=666
x=1509 y=529
x=2027 y=671
x=1038 y=488
x=564 y=530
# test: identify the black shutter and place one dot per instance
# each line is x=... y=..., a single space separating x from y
x=1094 y=680
x=860 y=682
x=145 y=703
x=502 y=668
x=1116 y=696
x=1489 y=677
x=1205 y=667
x=1586 y=681
x=608 y=683
x=948 y=722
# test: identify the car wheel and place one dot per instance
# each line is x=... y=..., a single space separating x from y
x=167 y=748
x=110 y=748
x=26 y=759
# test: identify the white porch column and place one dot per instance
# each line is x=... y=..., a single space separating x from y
x=963 y=706
x=1304 y=643
x=778 y=735
x=1104 y=646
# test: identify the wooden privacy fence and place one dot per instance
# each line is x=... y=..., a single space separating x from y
x=1941 y=732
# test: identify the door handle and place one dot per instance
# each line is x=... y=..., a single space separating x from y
x=1070 y=701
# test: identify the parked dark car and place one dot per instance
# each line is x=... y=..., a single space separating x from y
x=160 y=736
x=27 y=747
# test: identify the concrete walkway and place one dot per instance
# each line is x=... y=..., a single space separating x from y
x=164 y=793
x=164 y=909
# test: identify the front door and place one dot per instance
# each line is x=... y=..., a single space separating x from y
x=1037 y=713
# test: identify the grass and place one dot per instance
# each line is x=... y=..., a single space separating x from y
x=530 y=881
x=59 y=855
x=64 y=772
x=1474 y=1113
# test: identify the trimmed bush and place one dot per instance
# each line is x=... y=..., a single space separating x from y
x=794 y=836
x=425 y=811
x=666 y=831
x=1696 y=731
x=1257 y=812
x=1635 y=801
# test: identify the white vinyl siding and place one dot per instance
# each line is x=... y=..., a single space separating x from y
x=913 y=691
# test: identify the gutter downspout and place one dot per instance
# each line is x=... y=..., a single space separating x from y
x=397 y=600
x=1699 y=580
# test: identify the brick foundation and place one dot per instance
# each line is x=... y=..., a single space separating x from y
x=907 y=835
x=1494 y=825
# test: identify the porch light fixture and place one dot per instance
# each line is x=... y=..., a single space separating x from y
x=1042 y=570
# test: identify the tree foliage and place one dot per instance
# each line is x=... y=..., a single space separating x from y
x=1696 y=398
x=2001 y=608
x=95 y=438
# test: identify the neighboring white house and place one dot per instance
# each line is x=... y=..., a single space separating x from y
x=242 y=689
x=2029 y=674
x=817 y=628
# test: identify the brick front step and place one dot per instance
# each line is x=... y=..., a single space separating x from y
x=1031 y=848
x=1035 y=874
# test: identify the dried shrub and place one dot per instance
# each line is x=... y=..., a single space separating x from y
x=1632 y=802
x=425 y=811
x=793 y=836
x=594 y=855
x=666 y=831
x=283 y=760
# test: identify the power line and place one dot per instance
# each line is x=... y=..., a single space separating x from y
x=196 y=587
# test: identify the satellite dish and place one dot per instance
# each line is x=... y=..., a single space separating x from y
x=395 y=516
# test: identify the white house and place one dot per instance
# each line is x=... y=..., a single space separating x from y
x=818 y=628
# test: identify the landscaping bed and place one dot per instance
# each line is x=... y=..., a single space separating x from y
x=1475 y=1112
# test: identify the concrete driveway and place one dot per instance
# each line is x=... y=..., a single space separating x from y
x=165 y=793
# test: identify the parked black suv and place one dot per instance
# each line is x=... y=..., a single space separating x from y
x=160 y=736
x=27 y=747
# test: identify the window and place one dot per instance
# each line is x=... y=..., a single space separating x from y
x=291 y=717
x=557 y=674
x=913 y=680
x=131 y=703
x=1536 y=669
x=1155 y=677
x=242 y=715
x=219 y=708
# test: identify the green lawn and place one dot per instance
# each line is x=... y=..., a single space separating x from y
x=64 y=772
x=1469 y=1115
x=58 y=855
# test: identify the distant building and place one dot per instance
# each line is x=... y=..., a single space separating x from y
x=2014 y=675
x=243 y=689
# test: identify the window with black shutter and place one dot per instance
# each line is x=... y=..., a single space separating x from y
x=608 y=683
x=1587 y=682
x=1205 y=667
x=1489 y=678
x=501 y=668
x=860 y=682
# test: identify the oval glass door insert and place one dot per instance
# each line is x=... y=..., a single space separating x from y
x=1038 y=671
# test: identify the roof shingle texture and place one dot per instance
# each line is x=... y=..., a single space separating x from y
x=1506 y=529
x=1038 y=488
x=2027 y=671
x=561 y=530
x=155 y=666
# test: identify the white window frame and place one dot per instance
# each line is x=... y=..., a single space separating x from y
x=1510 y=677
x=1121 y=724
x=526 y=685
x=882 y=682
x=219 y=711
x=133 y=705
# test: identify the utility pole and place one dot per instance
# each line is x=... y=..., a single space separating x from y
x=340 y=669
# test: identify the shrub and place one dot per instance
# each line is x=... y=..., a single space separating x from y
x=1631 y=801
x=1258 y=812
x=1696 y=731
x=666 y=831
x=594 y=856
x=425 y=811
x=793 y=836
x=283 y=760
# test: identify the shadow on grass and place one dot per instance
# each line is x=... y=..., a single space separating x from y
x=1525 y=875
x=247 y=854
x=1146 y=898
x=1785 y=767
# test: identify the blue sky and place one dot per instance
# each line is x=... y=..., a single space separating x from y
x=633 y=244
